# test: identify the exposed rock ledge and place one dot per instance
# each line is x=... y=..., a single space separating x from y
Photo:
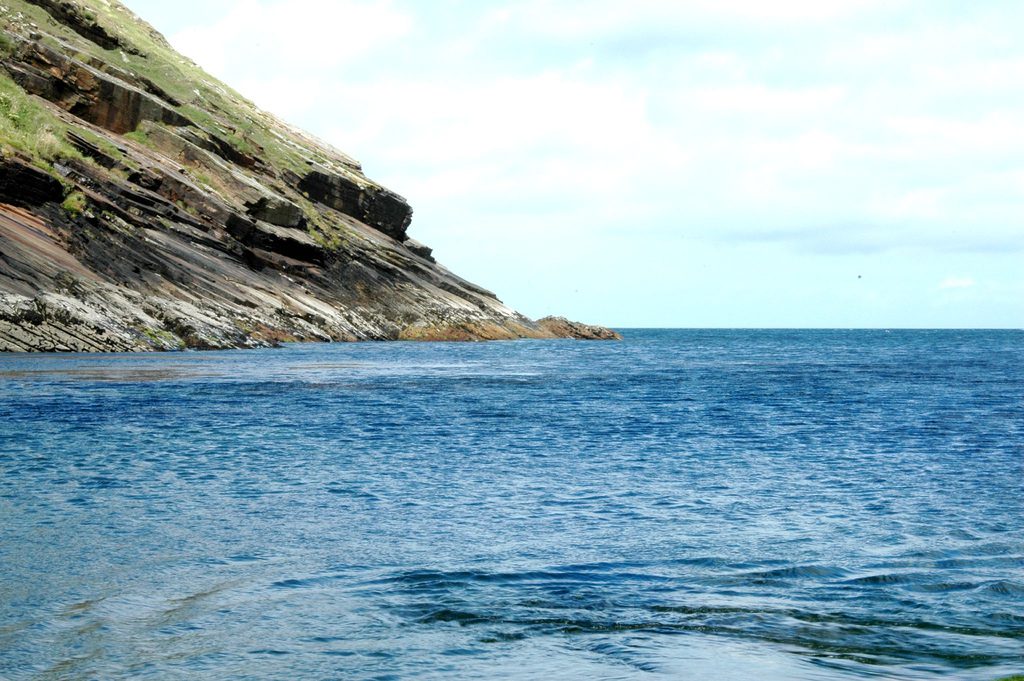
x=560 y=327
x=146 y=206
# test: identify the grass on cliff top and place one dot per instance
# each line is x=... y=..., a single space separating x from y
x=27 y=126
x=204 y=99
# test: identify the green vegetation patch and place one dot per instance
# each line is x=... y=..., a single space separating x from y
x=162 y=338
x=28 y=126
x=204 y=99
x=207 y=102
x=75 y=204
x=140 y=136
x=6 y=44
x=102 y=143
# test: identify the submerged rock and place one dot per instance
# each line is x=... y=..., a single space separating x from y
x=146 y=206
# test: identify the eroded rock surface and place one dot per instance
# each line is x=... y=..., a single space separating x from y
x=165 y=211
x=560 y=327
x=375 y=206
x=22 y=184
x=87 y=92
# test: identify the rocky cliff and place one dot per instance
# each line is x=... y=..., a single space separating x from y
x=145 y=206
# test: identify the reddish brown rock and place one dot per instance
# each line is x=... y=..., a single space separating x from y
x=561 y=327
x=87 y=92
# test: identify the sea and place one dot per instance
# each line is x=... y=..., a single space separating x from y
x=683 y=504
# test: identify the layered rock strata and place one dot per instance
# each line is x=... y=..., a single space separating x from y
x=146 y=206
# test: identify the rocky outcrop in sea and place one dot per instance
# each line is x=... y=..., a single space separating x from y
x=146 y=206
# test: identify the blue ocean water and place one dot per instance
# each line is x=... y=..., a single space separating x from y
x=680 y=505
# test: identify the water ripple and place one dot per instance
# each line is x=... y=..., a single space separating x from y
x=729 y=505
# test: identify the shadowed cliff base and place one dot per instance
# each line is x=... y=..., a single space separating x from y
x=146 y=206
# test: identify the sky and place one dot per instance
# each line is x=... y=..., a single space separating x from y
x=707 y=163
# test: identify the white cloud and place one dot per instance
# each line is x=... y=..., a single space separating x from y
x=956 y=283
x=293 y=37
x=704 y=138
x=761 y=100
x=916 y=204
x=801 y=11
x=597 y=19
x=994 y=132
x=845 y=127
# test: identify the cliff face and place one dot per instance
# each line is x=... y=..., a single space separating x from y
x=144 y=205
